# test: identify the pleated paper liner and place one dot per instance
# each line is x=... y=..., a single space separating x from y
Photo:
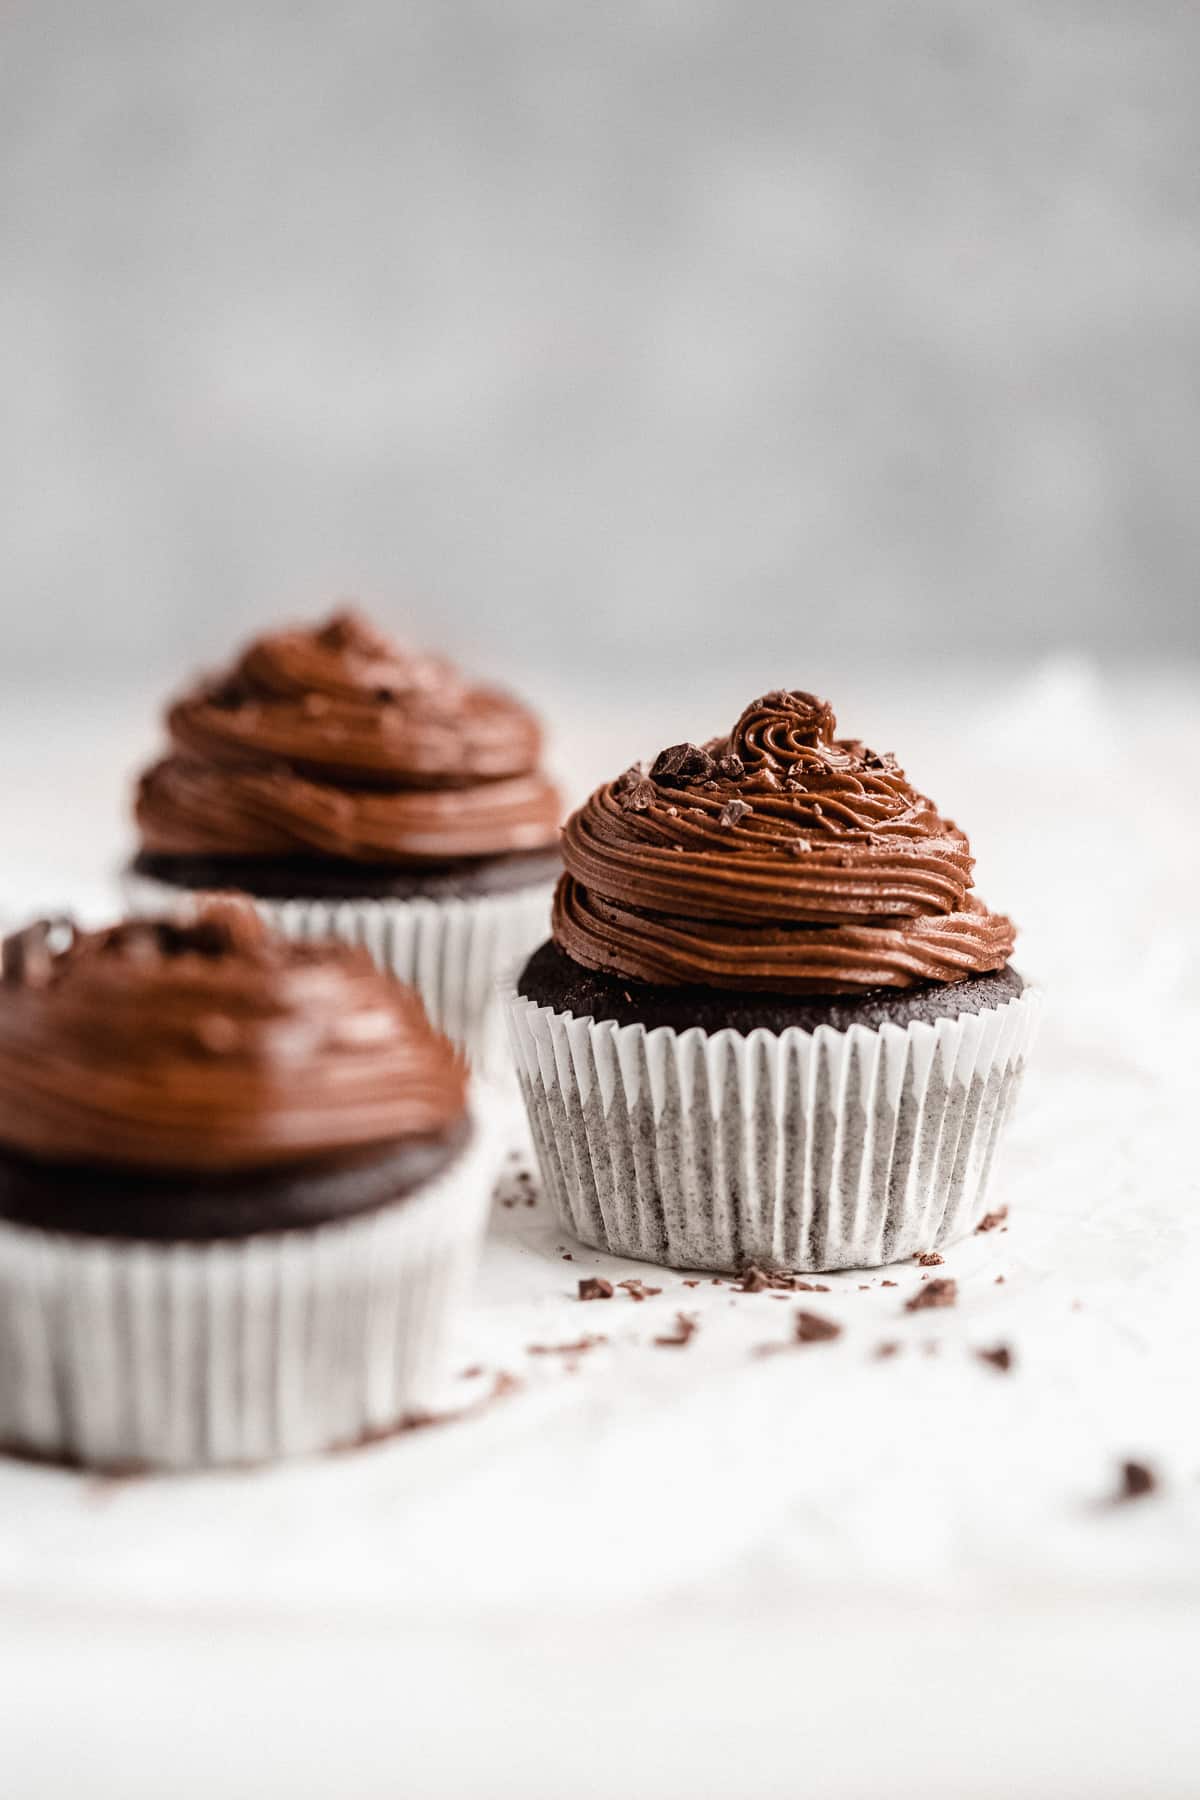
x=798 y=1150
x=451 y=951
x=116 y=1353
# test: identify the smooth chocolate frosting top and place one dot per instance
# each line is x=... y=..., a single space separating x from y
x=212 y=1045
x=779 y=859
x=334 y=741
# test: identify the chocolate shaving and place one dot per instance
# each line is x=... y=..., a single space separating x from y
x=1000 y=1358
x=733 y=811
x=594 y=1287
x=942 y=1292
x=575 y=1349
x=1137 y=1480
x=991 y=1220
x=681 y=763
x=685 y=1329
x=637 y=799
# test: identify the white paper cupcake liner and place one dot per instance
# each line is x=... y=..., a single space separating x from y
x=795 y=1150
x=115 y=1353
x=451 y=951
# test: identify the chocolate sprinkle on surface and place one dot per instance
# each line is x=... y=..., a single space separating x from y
x=637 y=1290
x=1137 y=1480
x=576 y=1349
x=1000 y=1358
x=942 y=1292
x=594 y=1287
x=811 y=1328
x=685 y=1329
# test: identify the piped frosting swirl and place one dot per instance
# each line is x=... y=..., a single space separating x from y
x=212 y=1045
x=333 y=741
x=778 y=859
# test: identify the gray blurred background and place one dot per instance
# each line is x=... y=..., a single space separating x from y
x=598 y=337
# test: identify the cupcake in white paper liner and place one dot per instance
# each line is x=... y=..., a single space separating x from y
x=353 y=787
x=773 y=1026
x=241 y=1195
x=796 y=1150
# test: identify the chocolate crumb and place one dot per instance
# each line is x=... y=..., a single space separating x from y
x=810 y=1287
x=733 y=811
x=576 y=1349
x=1137 y=1480
x=567 y=1257
x=637 y=1290
x=717 y=1282
x=681 y=763
x=929 y=1259
x=638 y=798
x=1000 y=1358
x=999 y=1282
x=991 y=1220
x=691 y=1284
x=753 y=1281
x=473 y=1373
x=887 y=1284
x=685 y=1329
x=594 y=1287
x=890 y=1348
x=811 y=1328
x=941 y=1292
x=732 y=767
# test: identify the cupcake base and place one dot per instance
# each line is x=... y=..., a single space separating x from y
x=804 y=1149
x=116 y=1352
x=551 y=978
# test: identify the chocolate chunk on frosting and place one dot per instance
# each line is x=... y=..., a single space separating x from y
x=212 y=1045
x=332 y=740
x=780 y=859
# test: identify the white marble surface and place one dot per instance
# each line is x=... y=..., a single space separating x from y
x=698 y=1572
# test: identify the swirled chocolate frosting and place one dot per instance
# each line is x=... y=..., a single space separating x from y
x=780 y=859
x=335 y=742
x=212 y=1045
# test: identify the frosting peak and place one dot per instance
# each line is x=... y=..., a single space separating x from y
x=780 y=858
x=210 y=1045
x=331 y=740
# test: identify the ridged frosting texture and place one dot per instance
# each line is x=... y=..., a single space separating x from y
x=779 y=859
x=211 y=1045
x=333 y=741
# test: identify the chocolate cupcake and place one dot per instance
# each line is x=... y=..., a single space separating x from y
x=773 y=1024
x=355 y=788
x=240 y=1193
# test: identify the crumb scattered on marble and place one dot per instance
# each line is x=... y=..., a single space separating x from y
x=991 y=1220
x=942 y=1291
x=884 y=1350
x=576 y=1349
x=594 y=1287
x=1137 y=1480
x=929 y=1259
x=686 y=1328
x=637 y=1290
x=1000 y=1358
